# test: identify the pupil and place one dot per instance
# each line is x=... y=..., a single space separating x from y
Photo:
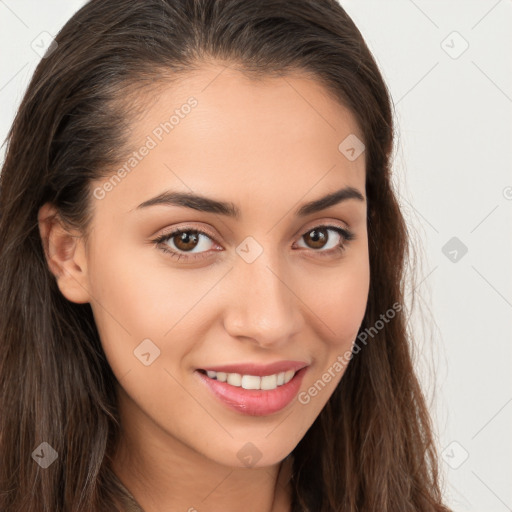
x=317 y=235
x=187 y=238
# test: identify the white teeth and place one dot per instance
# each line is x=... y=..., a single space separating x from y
x=266 y=383
x=288 y=376
x=235 y=379
x=269 y=382
x=251 y=382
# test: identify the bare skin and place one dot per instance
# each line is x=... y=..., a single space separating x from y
x=268 y=147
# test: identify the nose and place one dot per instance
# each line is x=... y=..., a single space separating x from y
x=261 y=304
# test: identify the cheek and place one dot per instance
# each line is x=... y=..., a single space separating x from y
x=350 y=298
x=340 y=308
x=339 y=300
x=139 y=297
x=132 y=302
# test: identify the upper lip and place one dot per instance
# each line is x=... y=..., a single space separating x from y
x=258 y=370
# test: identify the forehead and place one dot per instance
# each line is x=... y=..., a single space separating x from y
x=222 y=134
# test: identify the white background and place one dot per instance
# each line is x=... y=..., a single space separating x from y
x=453 y=175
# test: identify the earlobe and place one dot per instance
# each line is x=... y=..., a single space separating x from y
x=65 y=255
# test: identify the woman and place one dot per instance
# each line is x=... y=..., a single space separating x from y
x=202 y=263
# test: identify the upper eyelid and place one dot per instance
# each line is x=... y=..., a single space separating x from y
x=329 y=224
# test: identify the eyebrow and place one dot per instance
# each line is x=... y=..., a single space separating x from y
x=206 y=204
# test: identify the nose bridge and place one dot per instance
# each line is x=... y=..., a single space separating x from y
x=262 y=305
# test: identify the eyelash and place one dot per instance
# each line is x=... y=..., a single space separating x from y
x=346 y=236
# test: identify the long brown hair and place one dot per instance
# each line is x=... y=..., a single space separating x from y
x=372 y=446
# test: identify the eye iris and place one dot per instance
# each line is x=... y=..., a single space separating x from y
x=186 y=238
x=319 y=235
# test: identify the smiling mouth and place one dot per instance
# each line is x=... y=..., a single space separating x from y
x=254 y=395
x=265 y=383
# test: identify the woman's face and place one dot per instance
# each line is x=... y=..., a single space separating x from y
x=266 y=286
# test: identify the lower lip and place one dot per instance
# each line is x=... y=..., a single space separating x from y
x=255 y=402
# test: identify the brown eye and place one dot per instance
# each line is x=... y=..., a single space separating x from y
x=326 y=240
x=186 y=244
x=186 y=241
x=316 y=238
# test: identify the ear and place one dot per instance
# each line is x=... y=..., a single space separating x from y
x=65 y=254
